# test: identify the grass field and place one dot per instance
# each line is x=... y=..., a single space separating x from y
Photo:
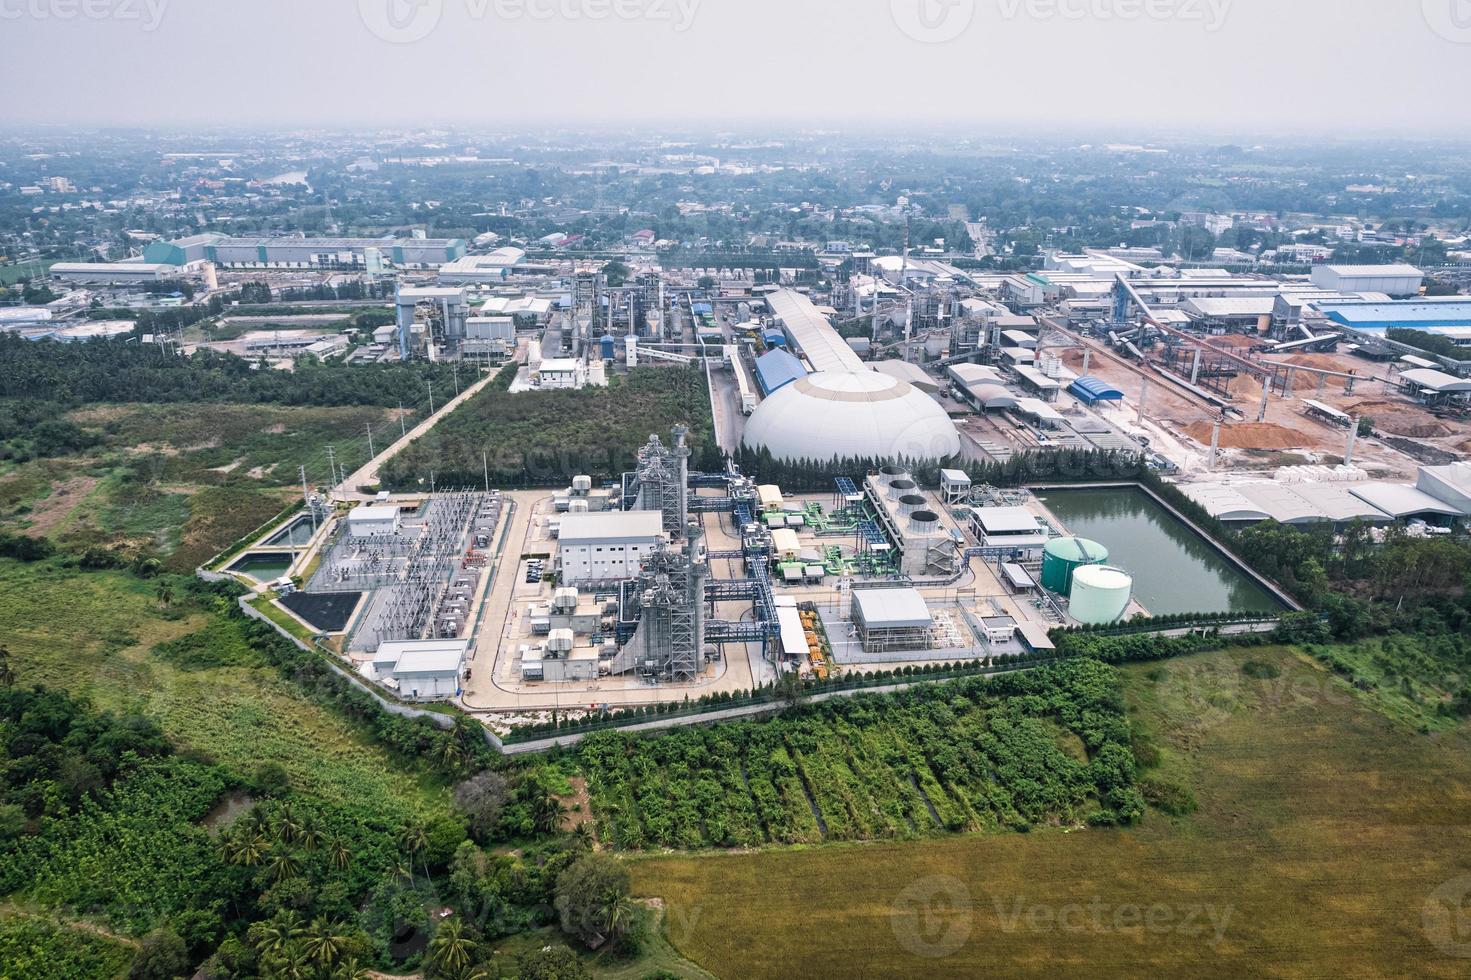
x=95 y=634
x=1325 y=826
x=183 y=481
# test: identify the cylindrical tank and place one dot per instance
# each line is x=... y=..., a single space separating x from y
x=610 y=347
x=1061 y=557
x=909 y=503
x=899 y=489
x=1100 y=595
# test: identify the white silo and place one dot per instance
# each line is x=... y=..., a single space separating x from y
x=1100 y=594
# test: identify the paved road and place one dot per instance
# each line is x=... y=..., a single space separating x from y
x=368 y=475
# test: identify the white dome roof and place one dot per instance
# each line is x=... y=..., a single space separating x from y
x=862 y=414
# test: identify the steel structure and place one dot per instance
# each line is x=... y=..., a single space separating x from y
x=663 y=480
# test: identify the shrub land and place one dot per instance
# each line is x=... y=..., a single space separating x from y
x=1045 y=747
x=541 y=438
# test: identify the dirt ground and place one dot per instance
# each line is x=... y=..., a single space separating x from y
x=1252 y=435
x=1286 y=427
x=49 y=513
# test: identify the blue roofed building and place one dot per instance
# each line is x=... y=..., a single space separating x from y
x=1448 y=315
x=1091 y=391
x=776 y=369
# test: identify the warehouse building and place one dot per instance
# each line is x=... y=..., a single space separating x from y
x=419 y=670
x=111 y=273
x=892 y=620
x=776 y=369
x=607 y=547
x=307 y=253
x=1391 y=280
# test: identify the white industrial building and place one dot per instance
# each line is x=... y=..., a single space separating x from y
x=475 y=269
x=1012 y=528
x=561 y=372
x=891 y=619
x=111 y=273
x=373 y=521
x=419 y=670
x=607 y=547
x=1397 y=281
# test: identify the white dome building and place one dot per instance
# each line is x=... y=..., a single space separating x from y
x=859 y=414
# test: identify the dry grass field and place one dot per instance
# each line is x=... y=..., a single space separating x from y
x=1329 y=841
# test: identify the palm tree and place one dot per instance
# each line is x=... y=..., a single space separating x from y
x=310 y=837
x=415 y=840
x=284 y=865
x=617 y=912
x=324 y=940
x=165 y=594
x=246 y=849
x=338 y=854
x=288 y=825
x=349 y=969
x=450 y=951
x=546 y=813
x=274 y=935
x=291 y=964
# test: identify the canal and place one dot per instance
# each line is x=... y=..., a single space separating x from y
x=1175 y=570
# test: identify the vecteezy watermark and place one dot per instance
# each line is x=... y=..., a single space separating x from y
x=408 y=21
x=935 y=917
x=1446 y=918
x=933 y=21
x=147 y=14
x=1211 y=14
x=1451 y=19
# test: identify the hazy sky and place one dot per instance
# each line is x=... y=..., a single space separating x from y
x=1359 y=67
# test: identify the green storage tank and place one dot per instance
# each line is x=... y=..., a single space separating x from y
x=1063 y=556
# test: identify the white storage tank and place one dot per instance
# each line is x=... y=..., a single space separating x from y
x=1100 y=595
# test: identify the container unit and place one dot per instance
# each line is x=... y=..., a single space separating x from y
x=1061 y=557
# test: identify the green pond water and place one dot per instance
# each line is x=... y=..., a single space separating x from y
x=263 y=568
x=1175 y=570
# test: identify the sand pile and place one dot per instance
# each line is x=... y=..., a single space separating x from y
x=1399 y=419
x=1250 y=435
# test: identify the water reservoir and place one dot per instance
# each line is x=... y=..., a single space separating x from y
x=1175 y=570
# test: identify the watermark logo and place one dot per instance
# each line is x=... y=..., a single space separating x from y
x=933 y=918
x=933 y=21
x=401 y=21
x=1446 y=918
x=410 y=21
x=147 y=14
x=1451 y=19
x=1211 y=14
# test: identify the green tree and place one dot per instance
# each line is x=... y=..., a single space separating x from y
x=592 y=898
x=451 y=950
x=161 y=956
x=324 y=941
x=553 y=963
x=275 y=935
